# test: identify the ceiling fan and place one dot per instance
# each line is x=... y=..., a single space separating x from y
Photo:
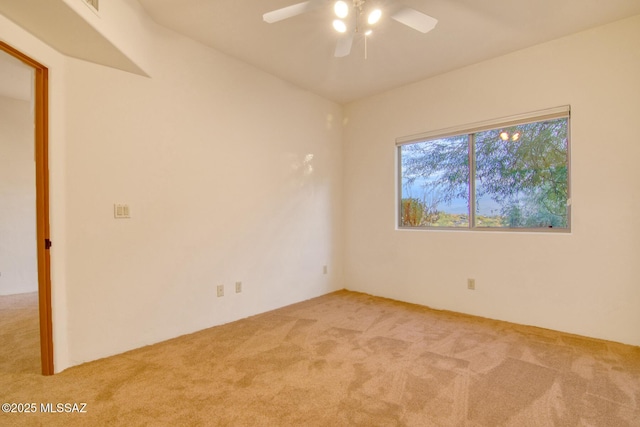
x=357 y=11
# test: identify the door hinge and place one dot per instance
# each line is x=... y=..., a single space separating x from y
x=47 y=244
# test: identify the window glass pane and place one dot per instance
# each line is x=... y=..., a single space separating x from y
x=435 y=183
x=521 y=176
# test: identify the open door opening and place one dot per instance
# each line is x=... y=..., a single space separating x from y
x=41 y=114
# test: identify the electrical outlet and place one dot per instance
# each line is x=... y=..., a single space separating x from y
x=238 y=287
x=471 y=284
x=220 y=290
x=325 y=269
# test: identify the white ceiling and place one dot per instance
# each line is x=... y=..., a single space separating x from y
x=300 y=49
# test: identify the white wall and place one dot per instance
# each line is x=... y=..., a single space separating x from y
x=18 y=265
x=231 y=175
x=585 y=282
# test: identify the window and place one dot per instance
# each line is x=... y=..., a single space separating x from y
x=504 y=174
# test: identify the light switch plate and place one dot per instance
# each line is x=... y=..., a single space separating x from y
x=121 y=211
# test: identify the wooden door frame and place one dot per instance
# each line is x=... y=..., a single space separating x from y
x=41 y=113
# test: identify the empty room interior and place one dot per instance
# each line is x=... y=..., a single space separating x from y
x=249 y=213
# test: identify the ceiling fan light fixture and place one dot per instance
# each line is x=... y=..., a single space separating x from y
x=372 y=9
x=339 y=26
x=341 y=8
x=374 y=16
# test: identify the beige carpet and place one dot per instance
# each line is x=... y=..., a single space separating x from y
x=347 y=359
x=19 y=335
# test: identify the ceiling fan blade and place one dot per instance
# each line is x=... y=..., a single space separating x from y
x=415 y=19
x=290 y=11
x=343 y=48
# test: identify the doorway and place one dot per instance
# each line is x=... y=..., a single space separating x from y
x=39 y=99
